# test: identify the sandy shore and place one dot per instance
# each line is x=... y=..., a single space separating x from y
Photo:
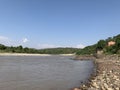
x=67 y=54
x=22 y=54
x=26 y=54
x=107 y=78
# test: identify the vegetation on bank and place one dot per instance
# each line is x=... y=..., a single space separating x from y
x=102 y=45
x=20 y=49
x=87 y=50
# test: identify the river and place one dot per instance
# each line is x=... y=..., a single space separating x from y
x=42 y=72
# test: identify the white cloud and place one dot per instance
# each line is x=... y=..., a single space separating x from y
x=25 y=40
x=80 y=46
x=3 y=38
x=42 y=46
x=12 y=42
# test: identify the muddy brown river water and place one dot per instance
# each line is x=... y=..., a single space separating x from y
x=42 y=72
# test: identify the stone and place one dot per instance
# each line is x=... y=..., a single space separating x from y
x=110 y=89
x=110 y=71
x=76 y=89
x=117 y=88
x=95 y=85
x=105 y=85
x=102 y=88
x=114 y=77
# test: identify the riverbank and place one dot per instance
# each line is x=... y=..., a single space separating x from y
x=108 y=75
x=84 y=57
x=22 y=54
x=27 y=54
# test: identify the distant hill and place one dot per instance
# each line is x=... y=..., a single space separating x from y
x=111 y=45
x=20 y=49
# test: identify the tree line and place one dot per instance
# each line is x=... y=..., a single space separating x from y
x=21 y=49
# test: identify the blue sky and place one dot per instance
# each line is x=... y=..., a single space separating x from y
x=58 y=23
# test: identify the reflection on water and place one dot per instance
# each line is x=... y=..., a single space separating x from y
x=42 y=73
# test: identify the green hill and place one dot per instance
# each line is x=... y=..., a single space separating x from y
x=103 y=45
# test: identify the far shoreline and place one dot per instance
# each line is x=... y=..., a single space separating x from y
x=31 y=54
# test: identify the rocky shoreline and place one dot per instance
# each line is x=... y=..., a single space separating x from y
x=107 y=77
x=84 y=57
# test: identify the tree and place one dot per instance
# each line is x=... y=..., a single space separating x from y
x=117 y=44
x=109 y=39
x=26 y=49
x=18 y=49
x=101 y=44
x=89 y=50
x=2 y=47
